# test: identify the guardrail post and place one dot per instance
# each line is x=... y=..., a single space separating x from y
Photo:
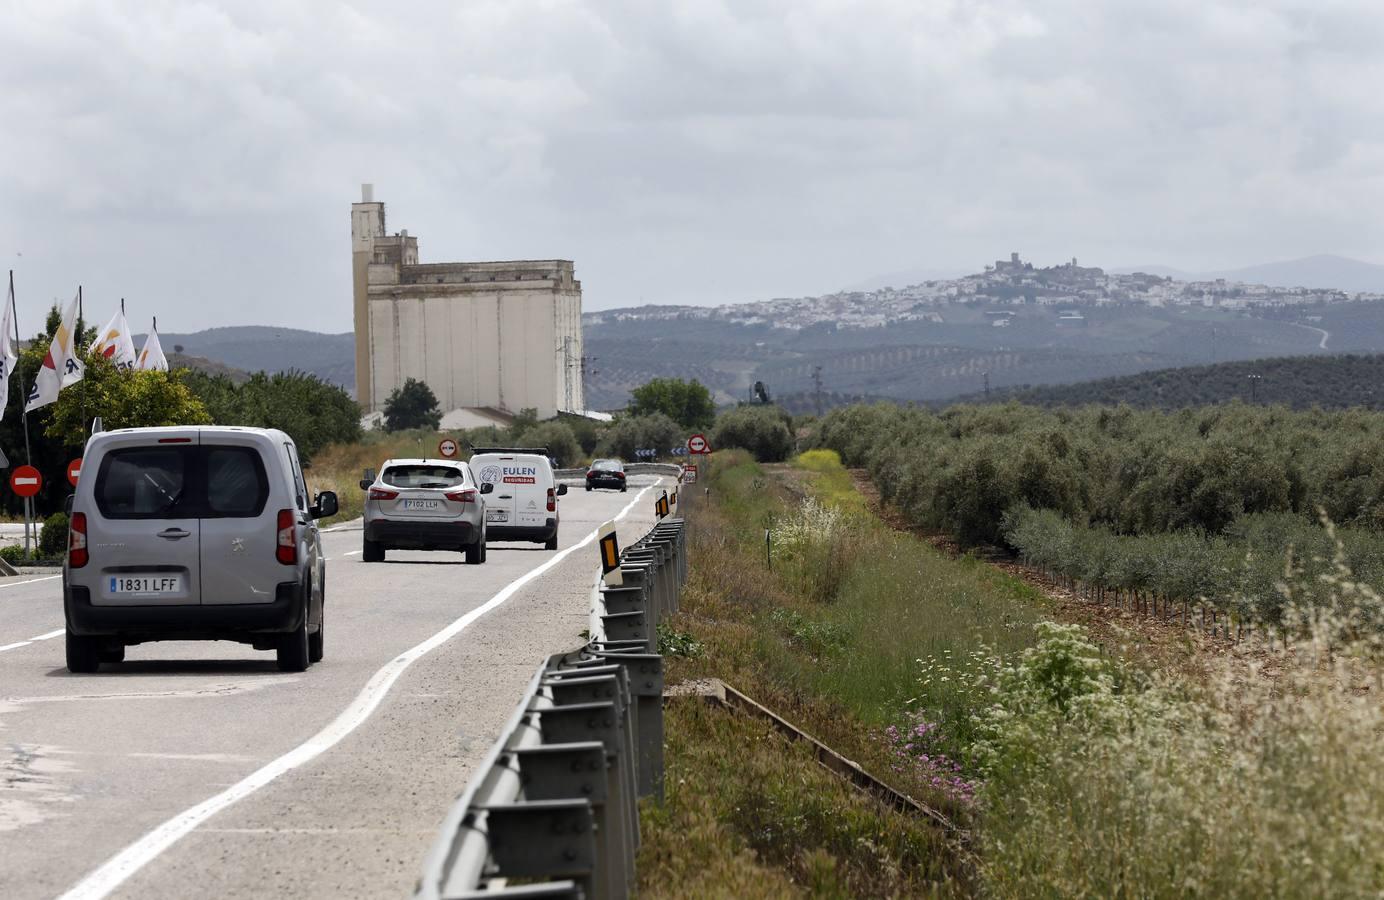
x=646 y=683
x=543 y=838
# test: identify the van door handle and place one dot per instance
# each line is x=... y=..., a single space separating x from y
x=174 y=534
x=506 y=496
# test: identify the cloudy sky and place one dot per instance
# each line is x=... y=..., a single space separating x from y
x=199 y=158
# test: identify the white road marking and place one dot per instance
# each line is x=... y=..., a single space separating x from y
x=115 y=871
x=352 y=553
x=50 y=635
x=30 y=581
x=13 y=646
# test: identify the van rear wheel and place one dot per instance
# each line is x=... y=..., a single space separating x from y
x=292 y=653
x=551 y=543
x=83 y=654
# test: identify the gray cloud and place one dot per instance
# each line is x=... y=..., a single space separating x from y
x=199 y=158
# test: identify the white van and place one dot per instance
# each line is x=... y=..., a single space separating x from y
x=523 y=504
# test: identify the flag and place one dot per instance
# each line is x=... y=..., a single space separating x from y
x=114 y=343
x=61 y=366
x=151 y=357
x=8 y=356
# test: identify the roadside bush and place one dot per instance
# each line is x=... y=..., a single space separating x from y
x=312 y=412
x=557 y=437
x=12 y=553
x=630 y=433
x=762 y=430
x=52 y=539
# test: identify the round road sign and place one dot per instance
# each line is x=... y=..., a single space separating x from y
x=697 y=444
x=447 y=447
x=74 y=471
x=26 y=481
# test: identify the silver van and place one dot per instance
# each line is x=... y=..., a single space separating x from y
x=196 y=533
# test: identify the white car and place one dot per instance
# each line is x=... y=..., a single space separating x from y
x=523 y=505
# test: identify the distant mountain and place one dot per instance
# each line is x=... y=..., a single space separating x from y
x=1331 y=382
x=256 y=348
x=1323 y=271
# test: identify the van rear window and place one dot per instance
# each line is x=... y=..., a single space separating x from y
x=181 y=482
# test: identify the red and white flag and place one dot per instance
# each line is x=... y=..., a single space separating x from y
x=61 y=366
x=115 y=344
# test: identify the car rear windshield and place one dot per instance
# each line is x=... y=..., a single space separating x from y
x=612 y=465
x=183 y=482
x=423 y=476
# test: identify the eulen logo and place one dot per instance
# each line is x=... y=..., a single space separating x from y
x=490 y=474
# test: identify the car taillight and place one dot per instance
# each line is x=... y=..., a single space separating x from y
x=382 y=494
x=467 y=496
x=287 y=550
x=552 y=500
x=77 y=541
x=590 y=473
x=620 y=475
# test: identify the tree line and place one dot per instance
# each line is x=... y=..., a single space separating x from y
x=1172 y=506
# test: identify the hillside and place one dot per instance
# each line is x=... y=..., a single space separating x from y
x=1331 y=382
x=254 y=348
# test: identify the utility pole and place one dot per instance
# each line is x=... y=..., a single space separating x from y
x=987 y=385
x=817 y=388
x=1254 y=387
x=1213 y=343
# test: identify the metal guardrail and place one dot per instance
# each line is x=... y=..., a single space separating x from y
x=555 y=802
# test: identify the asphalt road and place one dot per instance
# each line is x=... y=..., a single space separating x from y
x=200 y=769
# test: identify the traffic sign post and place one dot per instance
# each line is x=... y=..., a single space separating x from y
x=697 y=444
x=26 y=481
x=448 y=448
x=74 y=471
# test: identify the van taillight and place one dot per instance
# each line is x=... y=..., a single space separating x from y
x=466 y=496
x=552 y=500
x=287 y=550
x=77 y=541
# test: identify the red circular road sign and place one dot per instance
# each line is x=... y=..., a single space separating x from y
x=74 y=471
x=447 y=447
x=697 y=444
x=26 y=481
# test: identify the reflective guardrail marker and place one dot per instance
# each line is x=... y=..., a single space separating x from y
x=609 y=547
x=661 y=505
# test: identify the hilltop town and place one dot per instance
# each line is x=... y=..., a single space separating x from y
x=1011 y=282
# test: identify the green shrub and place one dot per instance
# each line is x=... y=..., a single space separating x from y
x=630 y=433
x=52 y=540
x=762 y=430
x=12 y=553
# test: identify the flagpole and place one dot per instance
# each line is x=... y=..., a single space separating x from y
x=77 y=348
x=14 y=310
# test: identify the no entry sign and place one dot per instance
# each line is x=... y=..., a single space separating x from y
x=74 y=471
x=447 y=447
x=26 y=481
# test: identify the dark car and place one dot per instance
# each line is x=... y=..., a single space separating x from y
x=608 y=473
